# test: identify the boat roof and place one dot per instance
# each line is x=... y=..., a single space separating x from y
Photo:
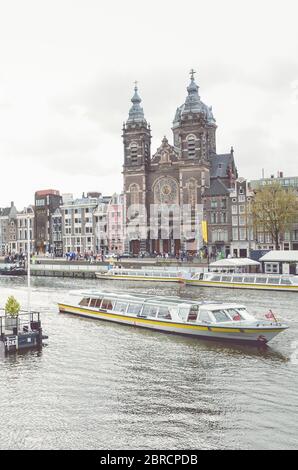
x=160 y=299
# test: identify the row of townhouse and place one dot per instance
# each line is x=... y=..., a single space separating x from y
x=92 y=224
x=230 y=225
x=14 y=230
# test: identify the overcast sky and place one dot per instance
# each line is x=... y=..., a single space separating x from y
x=67 y=69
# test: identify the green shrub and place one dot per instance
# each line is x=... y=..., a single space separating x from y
x=12 y=307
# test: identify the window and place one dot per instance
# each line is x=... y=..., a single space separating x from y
x=234 y=220
x=163 y=312
x=271 y=268
x=220 y=316
x=121 y=307
x=135 y=309
x=183 y=313
x=84 y=302
x=134 y=152
x=235 y=234
x=223 y=203
x=149 y=311
x=234 y=209
x=93 y=302
x=107 y=304
x=241 y=198
x=193 y=314
x=204 y=317
x=242 y=233
x=191 y=146
x=134 y=194
x=213 y=204
x=213 y=217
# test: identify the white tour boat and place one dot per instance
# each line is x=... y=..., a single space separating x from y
x=275 y=282
x=209 y=320
x=159 y=275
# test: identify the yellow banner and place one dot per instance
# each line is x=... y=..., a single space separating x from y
x=204 y=231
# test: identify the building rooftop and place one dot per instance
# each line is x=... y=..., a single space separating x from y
x=281 y=256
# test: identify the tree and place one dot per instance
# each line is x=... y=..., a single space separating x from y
x=12 y=307
x=274 y=210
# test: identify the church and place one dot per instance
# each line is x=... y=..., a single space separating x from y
x=186 y=171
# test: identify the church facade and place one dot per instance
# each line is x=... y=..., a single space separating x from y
x=184 y=173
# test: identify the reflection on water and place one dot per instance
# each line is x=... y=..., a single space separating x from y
x=102 y=385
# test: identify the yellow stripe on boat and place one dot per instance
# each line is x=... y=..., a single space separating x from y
x=70 y=308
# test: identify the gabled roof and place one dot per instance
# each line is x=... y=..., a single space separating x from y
x=217 y=188
x=220 y=165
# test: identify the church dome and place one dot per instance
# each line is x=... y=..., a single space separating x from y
x=193 y=104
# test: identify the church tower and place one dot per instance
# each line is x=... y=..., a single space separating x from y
x=137 y=154
x=136 y=136
x=194 y=127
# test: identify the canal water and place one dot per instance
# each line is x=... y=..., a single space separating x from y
x=104 y=386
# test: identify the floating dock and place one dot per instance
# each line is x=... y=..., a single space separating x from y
x=21 y=332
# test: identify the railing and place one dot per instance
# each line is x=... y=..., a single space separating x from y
x=67 y=267
x=20 y=323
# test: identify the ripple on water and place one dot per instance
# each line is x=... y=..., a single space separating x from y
x=98 y=385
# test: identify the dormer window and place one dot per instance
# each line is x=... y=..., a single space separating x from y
x=191 y=146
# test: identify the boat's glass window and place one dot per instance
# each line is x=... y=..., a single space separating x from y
x=234 y=313
x=92 y=302
x=237 y=279
x=149 y=311
x=163 y=312
x=285 y=282
x=134 y=309
x=220 y=316
x=275 y=280
x=183 y=312
x=193 y=313
x=261 y=280
x=107 y=304
x=204 y=316
x=249 y=280
x=215 y=278
x=98 y=302
x=120 y=307
x=226 y=278
x=85 y=302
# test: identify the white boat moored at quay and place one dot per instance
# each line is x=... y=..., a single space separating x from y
x=159 y=275
x=208 y=320
x=275 y=282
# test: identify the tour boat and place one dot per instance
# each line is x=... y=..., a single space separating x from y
x=275 y=282
x=162 y=275
x=209 y=320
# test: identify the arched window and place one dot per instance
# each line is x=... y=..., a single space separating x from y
x=134 y=194
x=192 y=192
x=191 y=146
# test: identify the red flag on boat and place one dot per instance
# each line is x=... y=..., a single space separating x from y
x=270 y=315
